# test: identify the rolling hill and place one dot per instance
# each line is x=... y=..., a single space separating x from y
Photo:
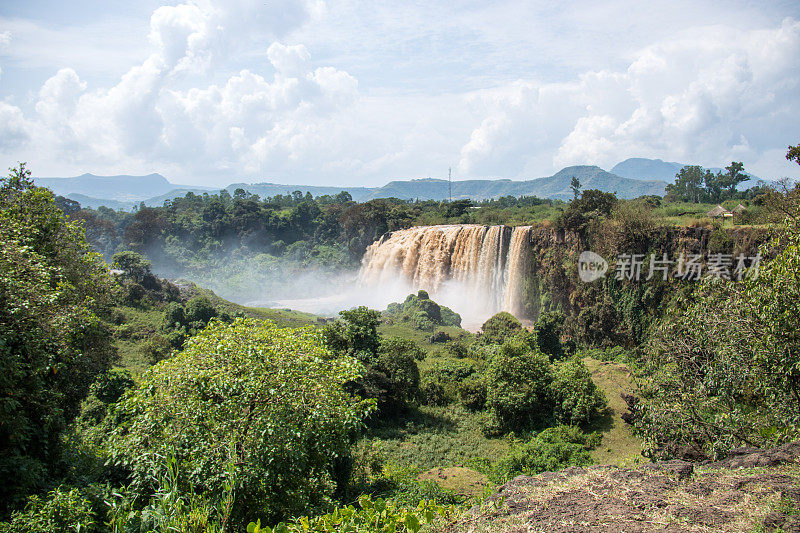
x=640 y=168
x=125 y=192
x=122 y=188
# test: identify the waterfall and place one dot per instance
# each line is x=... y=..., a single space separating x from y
x=476 y=270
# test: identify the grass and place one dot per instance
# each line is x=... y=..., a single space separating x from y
x=719 y=500
x=285 y=318
x=430 y=436
x=139 y=325
x=422 y=338
x=458 y=479
x=619 y=445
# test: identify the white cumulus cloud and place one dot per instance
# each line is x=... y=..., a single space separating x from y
x=708 y=96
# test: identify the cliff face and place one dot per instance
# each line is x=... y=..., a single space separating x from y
x=750 y=490
x=607 y=310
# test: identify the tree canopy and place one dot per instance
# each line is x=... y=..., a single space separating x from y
x=54 y=295
x=248 y=404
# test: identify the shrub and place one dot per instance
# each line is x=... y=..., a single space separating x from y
x=63 y=509
x=551 y=450
x=158 y=347
x=370 y=517
x=499 y=328
x=109 y=387
x=439 y=336
x=473 y=393
x=269 y=401
x=518 y=386
x=577 y=399
x=397 y=364
x=441 y=380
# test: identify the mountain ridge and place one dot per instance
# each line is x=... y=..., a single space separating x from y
x=126 y=191
x=636 y=176
x=642 y=168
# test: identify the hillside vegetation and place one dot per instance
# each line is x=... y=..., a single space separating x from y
x=132 y=402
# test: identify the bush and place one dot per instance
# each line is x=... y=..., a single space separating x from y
x=577 y=399
x=63 y=509
x=267 y=403
x=441 y=380
x=500 y=328
x=397 y=364
x=518 y=386
x=199 y=309
x=551 y=450
x=159 y=347
x=439 y=336
x=110 y=386
x=548 y=334
x=473 y=393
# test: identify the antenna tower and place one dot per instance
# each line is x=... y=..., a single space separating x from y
x=450 y=183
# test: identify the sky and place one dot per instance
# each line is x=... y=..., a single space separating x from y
x=330 y=92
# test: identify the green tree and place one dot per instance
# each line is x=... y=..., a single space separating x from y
x=577 y=399
x=55 y=294
x=548 y=333
x=247 y=404
x=132 y=264
x=399 y=375
x=724 y=370
x=689 y=184
x=518 y=386
x=359 y=332
x=575 y=185
x=200 y=311
x=793 y=154
x=733 y=176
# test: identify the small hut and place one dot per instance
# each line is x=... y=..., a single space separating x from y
x=739 y=209
x=719 y=212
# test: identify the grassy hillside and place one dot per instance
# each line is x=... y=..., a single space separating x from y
x=619 y=445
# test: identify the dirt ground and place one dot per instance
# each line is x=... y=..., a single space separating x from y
x=750 y=491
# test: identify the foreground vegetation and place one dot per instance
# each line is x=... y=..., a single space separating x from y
x=133 y=403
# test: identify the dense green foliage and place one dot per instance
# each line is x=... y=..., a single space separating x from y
x=391 y=374
x=377 y=516
x=724 y=369
x=54 y=296
x=549 y=451
x=695 y=184
x=60 y=510
x=240 y=422
x=247 y=404
x=518 y=386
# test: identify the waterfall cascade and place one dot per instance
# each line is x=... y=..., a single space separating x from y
x=476 y=270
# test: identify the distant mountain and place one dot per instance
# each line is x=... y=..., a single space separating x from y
x=556 y=186
x=94 y=203
x=125 y=192
x=123 y=188
x=640 y=168
x=265 y=190
x=592 y=177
